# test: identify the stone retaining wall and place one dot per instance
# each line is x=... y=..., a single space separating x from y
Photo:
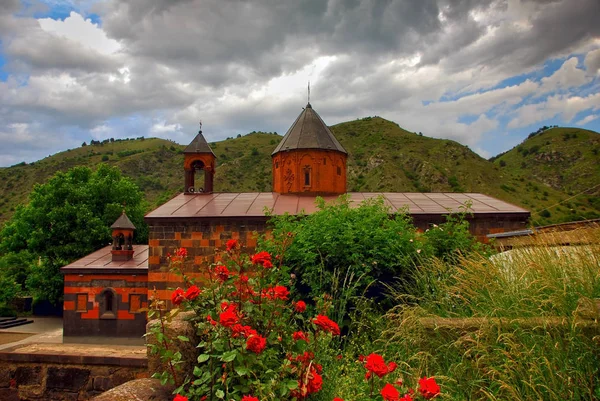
x=56 y=376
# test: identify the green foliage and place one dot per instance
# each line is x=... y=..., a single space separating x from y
x=366 y=241
x=69 y=217
x=45 y=282
x=256 y=341
x=542 y=349
x=452 y=239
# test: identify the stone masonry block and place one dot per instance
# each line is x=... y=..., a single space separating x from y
x=5 y=374
x=67 y=378
x=27 y=375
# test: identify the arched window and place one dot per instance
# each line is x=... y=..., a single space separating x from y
x=108 y=303
x=307 y=176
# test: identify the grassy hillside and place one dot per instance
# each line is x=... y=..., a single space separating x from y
x=382 y=157
x=566 y=159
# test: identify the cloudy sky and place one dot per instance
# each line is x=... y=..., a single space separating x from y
x=482 y=72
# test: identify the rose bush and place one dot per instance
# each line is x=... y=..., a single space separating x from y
x=257 y=342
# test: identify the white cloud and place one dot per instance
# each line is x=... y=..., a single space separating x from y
x=588 y=119
x=592 y=62
x=162 y=127
x=567 y=76
x=82 y=31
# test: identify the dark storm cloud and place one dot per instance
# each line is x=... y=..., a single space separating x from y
x=184 y=60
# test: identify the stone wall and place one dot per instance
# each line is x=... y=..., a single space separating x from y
x=63 y=377
x=203 y=239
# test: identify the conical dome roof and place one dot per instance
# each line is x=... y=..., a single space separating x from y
x=123 y=222
x=198 y=145
x=309 y=132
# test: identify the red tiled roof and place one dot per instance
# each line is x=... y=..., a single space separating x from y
x=253 y=204
x=102 y=259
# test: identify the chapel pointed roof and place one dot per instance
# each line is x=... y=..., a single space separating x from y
x=309 y=132
x=198 y=145
x=123 y=222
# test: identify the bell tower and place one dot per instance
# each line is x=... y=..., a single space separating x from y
x=122 y=235
x=199 y=158
x=309 y=159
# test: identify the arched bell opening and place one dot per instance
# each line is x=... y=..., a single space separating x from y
x=198 y=177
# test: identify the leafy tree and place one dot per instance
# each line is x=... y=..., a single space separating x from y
x=69 y=217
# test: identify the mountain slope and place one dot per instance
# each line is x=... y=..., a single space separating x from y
x=567 y=159
x=382 y=157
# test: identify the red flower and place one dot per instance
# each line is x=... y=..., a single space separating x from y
x=177 y=296
x=300 y=306
x=192 y=293
x=277 y=292
x=337 y=399
x=392 y=366
x=406 y=397
x=211 y=320
x=246 y=331
x=428 y=387
x=262 y=258
x=299 y=335
x=179 y=397
x=327 y=325
x=228 y=318
x=256 y=343
x=249 y=398
x=315 y=381
x=231 y=245
x=376 y=364
x=389 y=393
x=222 y=272
x=181 y=252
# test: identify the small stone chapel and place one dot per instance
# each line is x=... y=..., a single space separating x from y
x=104 y=290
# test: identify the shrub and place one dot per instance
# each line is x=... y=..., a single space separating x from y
x=363 y=244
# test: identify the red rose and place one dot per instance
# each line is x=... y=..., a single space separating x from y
x=406 y=397
x=299 y=335
x=392 y=366
x=256 y=343
x=246 y=331
x=315 y=381
x=229 y=316
x=428 y=387
x=231 y=244
x=181 y=252
x=179 y=397
x=337 y=399
x=300 y=306
x=277 y=292
x=177 y=296
x=211 y=320
x=262 y=258
x=192 y=293
x=249 y=398
x=376 y=364
x=389 y=393
x=222 y=272
x=327 y=325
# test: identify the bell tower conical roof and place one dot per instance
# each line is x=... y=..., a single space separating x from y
x=309 y=132
x=198 y=145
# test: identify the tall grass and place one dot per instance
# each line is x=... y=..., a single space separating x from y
x=529 y=341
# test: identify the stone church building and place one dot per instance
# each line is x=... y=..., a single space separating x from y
x=107 y=291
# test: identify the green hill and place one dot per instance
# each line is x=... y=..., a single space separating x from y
x=382 y=157
x=566 y=159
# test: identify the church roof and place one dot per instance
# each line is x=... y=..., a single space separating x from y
x=198 y=145
x=123 y=222
x=254 y=204
x=309 y=132
x=102 y=260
